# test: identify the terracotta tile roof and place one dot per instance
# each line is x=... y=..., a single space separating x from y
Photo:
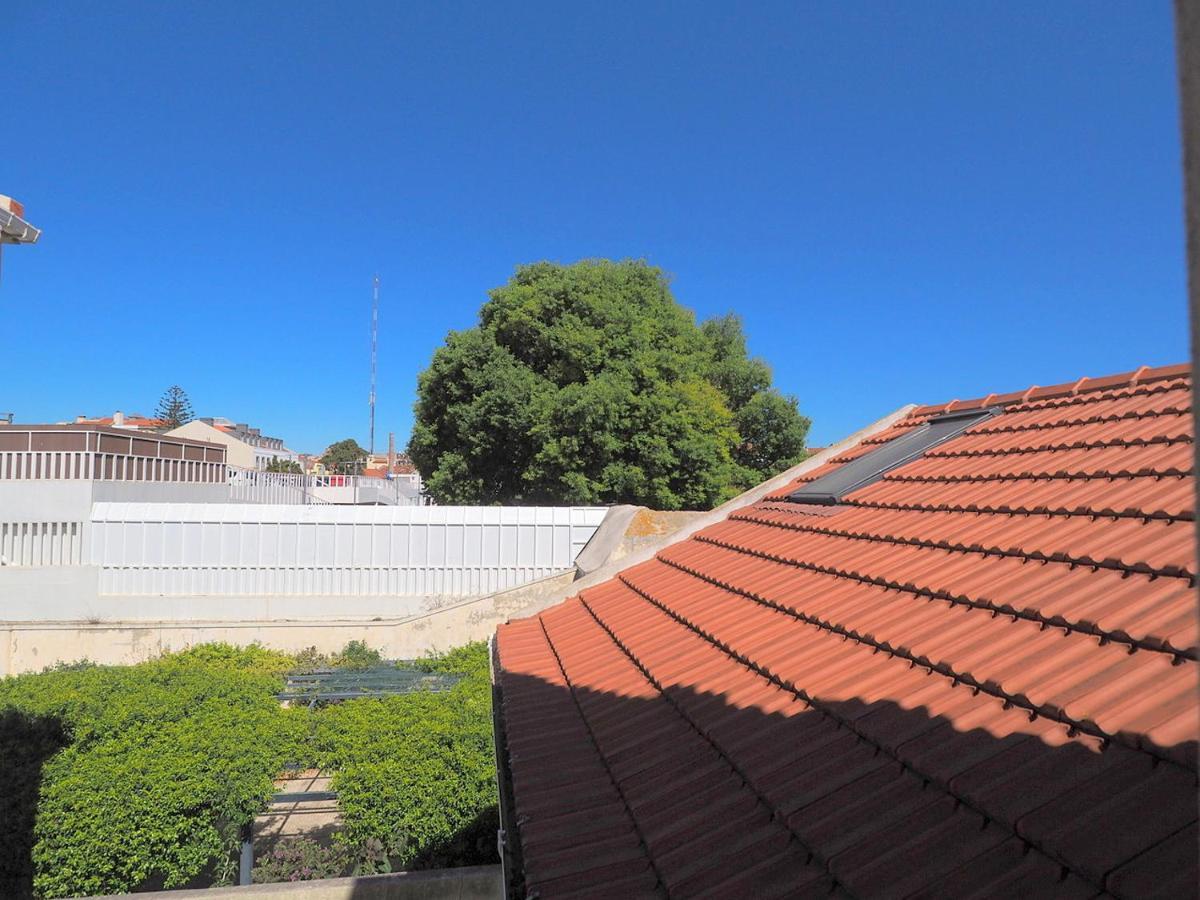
x=975 y=677
x=131 y=421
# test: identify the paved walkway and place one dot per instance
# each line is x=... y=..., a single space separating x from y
x=316 y=819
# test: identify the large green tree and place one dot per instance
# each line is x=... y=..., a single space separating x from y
x=589 y=383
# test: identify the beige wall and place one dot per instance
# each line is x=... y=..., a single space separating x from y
x=236 y=454
x=31 y=646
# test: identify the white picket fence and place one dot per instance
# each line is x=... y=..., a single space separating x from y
x=183 y=549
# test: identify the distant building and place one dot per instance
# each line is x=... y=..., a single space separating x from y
x=380 y=465
x=131 y=422
x=310 y=464
x=247 y=447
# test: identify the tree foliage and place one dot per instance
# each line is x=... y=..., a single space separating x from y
x=589 y=383
x=174 y=408
x=345 y=457
x=143 y=775
x=284 y=466
x=417 y=772
x=165 y=761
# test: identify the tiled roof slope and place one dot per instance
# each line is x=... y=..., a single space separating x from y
x=977 y=677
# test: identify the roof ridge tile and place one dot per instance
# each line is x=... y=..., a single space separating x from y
x=1137 y=377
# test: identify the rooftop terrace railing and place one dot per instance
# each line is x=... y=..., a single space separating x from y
x=83 y=465
x=245 y=485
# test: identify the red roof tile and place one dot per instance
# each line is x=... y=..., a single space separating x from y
x=977 y=676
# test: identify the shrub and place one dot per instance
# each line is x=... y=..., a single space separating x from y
x=418 y=766
x=356 y=655
x=143 y=775
x=166 y=761
x=301 y=859
x=26 y=742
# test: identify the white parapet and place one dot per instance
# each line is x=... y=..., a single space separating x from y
x=231 y=549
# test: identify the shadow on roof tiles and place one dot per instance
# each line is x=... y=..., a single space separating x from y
x=873 y=799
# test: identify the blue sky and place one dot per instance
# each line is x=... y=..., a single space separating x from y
x=904 y=201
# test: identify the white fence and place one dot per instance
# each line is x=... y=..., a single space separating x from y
x=182 y=549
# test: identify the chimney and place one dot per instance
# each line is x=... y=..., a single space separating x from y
x=118 y=419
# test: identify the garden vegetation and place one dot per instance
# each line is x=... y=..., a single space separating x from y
x=120 y=778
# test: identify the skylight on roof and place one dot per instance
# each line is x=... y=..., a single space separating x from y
x=869 y=468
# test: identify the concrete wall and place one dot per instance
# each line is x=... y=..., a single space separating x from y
x=71 y=501
x=45 y=501
x=159 y=492
x=29 y=646
x=468 y=883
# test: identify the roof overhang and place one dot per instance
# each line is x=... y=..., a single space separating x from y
x=15 y=230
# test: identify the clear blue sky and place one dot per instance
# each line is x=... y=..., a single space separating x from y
x=904 y=201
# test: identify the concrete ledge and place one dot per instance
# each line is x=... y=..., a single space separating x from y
x=606 y=540
x=468 y=883
x=31 y=645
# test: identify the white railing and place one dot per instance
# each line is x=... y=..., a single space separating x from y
x=41 y=543
x=359 y=489
x=185 y=549
x=255 y=486
x=91 y=465
x=245 y=485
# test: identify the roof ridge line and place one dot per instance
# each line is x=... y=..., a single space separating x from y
x=844 y=722
x=1135 y=379
x=775 y=813
x=1073 y=725
x=1104 y=392
x=961 y=600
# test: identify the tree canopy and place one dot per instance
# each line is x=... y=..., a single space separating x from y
x=589 y=383
x=174 y=407
x=345 y=457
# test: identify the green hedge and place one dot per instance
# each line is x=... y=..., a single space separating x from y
x=144 y=774
x=418 y=767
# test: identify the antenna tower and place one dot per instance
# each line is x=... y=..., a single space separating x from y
x=374 y=342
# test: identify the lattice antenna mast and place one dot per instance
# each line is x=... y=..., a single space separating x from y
x=374 y=345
